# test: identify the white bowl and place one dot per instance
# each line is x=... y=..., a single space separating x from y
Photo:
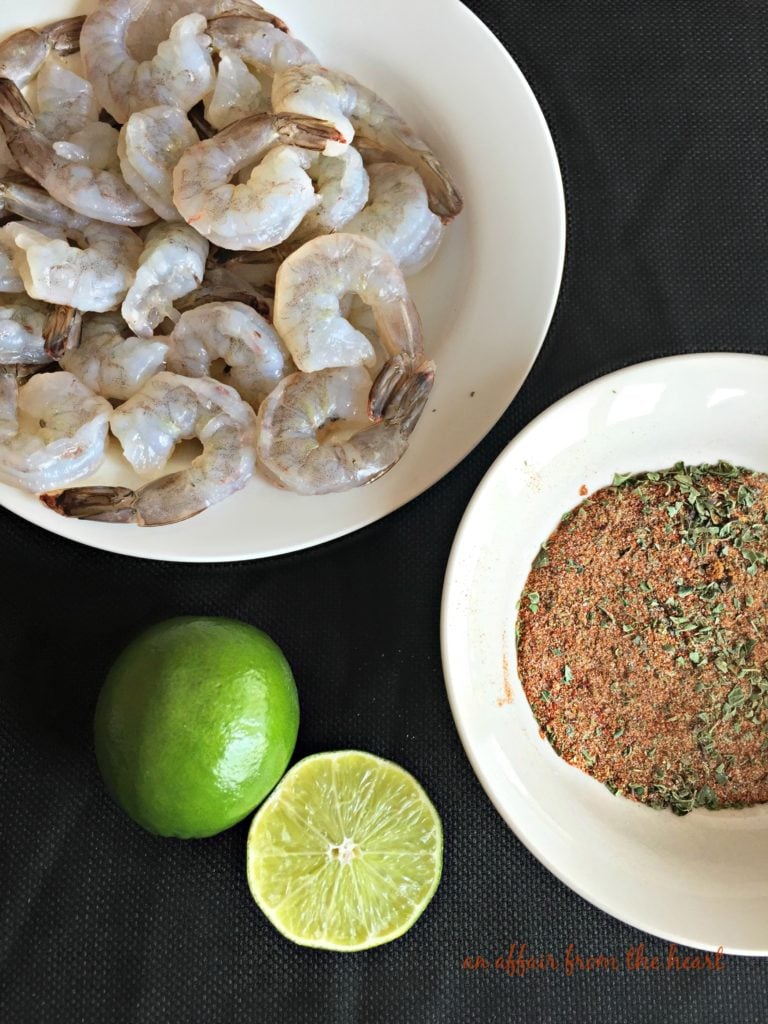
x=486 y=301
x=698 y=880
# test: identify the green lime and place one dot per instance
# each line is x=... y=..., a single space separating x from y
x=346 y=853
x=195 y=723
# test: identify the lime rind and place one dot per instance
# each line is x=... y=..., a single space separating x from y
x=346 y=853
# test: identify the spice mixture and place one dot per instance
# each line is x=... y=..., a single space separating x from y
x=642 y=642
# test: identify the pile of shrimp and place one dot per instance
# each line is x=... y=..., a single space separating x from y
x=205 y=234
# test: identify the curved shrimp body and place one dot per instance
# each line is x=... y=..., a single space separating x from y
x=262 y=45
x=65 y=102
x=24 y=53
x=398 y=217
x=342 y=187
x=60 y=437
x=171 y=266
x=378 y=130
x=94 y=279
x=110 y=364
x=98 y=194
x=315 y=436
x=169 y=409
x=180 y=72
x=311 y=286
x=264 y=211
x=254 y=356
x=151 y=144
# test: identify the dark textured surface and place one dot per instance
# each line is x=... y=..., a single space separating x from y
x=659 y=110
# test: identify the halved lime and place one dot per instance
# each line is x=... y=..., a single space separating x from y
x=346 y=853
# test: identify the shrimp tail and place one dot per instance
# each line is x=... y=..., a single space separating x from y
x=164 y=501
x=306 y=132
x=445 y=200
x=15 y=112
x=96 y=504
x=400 y=392
x=64 y=36
x=61 y=331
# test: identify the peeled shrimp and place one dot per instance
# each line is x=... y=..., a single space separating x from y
x=60 y=437
x=261 y=46
x=180 y=73
x=342 y=187
x=238 y=93
x=99 y=194
x=151 y=144
x=359 y=114
x=265 y=210
x=96 y=278
x=315 y=436
x=65 y=102
x=24 y=53
x=398 y=217
x=254 y=356
x=138 y=53
x=169 y=409
x=171 y=266
x=111 y=364
x=311 y=285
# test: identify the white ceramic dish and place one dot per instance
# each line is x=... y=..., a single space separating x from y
x=698 y=880
x=486 y=301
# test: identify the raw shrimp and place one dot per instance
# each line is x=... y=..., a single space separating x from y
x=151 y=144
x=94 y=147
x=311 y=285
x=398 y=217
x=169 y=409
x=34 y=204
x=254 y=356
x=24 y=53
x=61 y=434
x=100 y=194
x=138 y=53
x=171 y=266
x=65 y=102
x=263 y=47
x=315 y=437
x=111 y=364
x=22 y=327
x=360 y=114
x=238 y=93
x=342 y=187
x=267 y=209
x=96 y=278
x=180 y=73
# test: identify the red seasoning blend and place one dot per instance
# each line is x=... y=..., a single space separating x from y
x=642 y=641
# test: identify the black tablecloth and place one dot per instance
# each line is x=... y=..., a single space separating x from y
x=659 y=110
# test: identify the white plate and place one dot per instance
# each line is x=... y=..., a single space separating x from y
x=486 y=301
x=698 y=880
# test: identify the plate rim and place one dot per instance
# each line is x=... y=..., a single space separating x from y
x=496 y=468
x=133 y=546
